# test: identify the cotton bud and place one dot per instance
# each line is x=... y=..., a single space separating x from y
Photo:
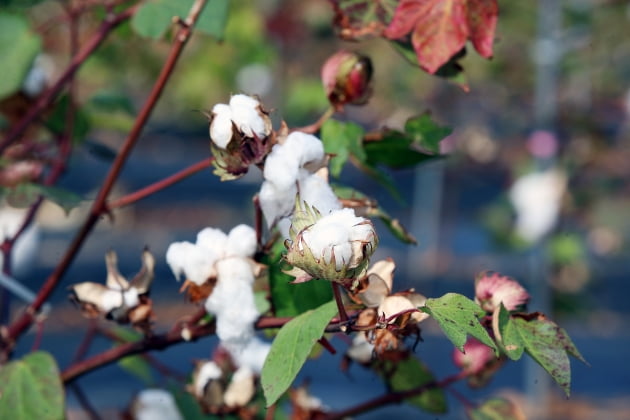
x=347 y=79
x=239 y=134
x=335 y=247
x=492 y=288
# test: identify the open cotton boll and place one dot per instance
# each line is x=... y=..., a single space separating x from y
x=318 y=193
x=275 y=202
x=195 y=262
x=155 y=404
x=235 y=270
x=246 y=116
x=221 y=129
x=207 y=372
x=241 y=241
x=252 y=354
x=330 y=235
x=213 y=240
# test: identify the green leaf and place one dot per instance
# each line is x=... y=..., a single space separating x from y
x=425 y=133
x=291 y=348
x=342 y=140
x=496 y=409
x=31 y=388
x=506 y=333
x=18 y=48
x=289 y=299
x=412 y=373
x=418 y=143
x=154 y=17
x=373 y=210
x=458 y=317
x=66 y=199
x=548 y=345
x=137 y=367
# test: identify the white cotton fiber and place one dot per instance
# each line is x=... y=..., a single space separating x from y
x=130 y=297
x=318 y=193
x=281 y=167
x=246 y=116
x=195 y=262
x=305 y=148
x=241 y=241
x=252 y=354
x=213 y=240
x=221 y=125
x=111 y=299
x=276 y=203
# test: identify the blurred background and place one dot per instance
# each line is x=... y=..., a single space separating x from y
x=535 y=184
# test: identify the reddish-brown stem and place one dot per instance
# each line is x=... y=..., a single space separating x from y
x=48 y=97
x=326 y=344
x=271 y=412
x=98 y=208
x=337 y=293
x=391 y=398
x=159 y=185
x=315 y=127
x=85 y=402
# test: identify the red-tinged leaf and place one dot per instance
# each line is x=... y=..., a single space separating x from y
x=439 y=29
x=356 y=19
x=482 y=20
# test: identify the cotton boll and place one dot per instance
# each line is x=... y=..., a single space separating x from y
x=361 y=350
x=275 y=202
x=194 y=262
x=317 y=192
x=213 y=240
x=221 y=129
x=241 y=242
x=207 y=372
x=235 y=270
x=155 y=404
x=246 y=116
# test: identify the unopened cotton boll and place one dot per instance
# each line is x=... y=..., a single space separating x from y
x=196 y=263
x=221 y=125
x=246 y=115
x=155 y=404
x=241 y=242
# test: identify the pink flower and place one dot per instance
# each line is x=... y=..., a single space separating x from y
x=492 y=288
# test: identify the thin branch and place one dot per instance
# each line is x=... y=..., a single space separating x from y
x=99 y=205
x=160 y=185
x=108 y=25
x=85 y=402
x=317 y=125
x=392 y=398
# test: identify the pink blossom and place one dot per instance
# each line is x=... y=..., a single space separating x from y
x=492 y=288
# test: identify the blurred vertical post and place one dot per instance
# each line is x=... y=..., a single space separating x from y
x=547 y=53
